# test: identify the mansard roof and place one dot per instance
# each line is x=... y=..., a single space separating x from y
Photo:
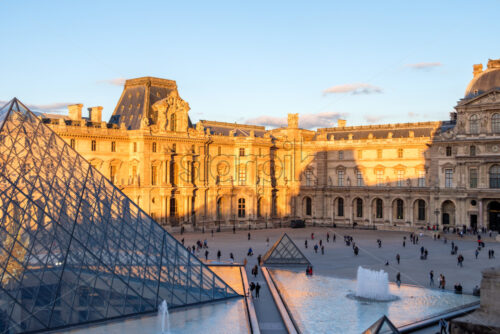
x=239 y=130
x=420 y=129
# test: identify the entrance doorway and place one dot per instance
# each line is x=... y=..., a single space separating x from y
x=494 y=216
x=446 y=218
x=448 y=210
x=473 y=222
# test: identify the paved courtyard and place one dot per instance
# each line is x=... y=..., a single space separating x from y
x=339 y=260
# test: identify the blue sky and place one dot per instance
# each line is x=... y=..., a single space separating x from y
x=252 y=61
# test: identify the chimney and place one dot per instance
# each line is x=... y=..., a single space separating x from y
x=477 y=69
x=75 y=112
x=293 y=121
x=493 y=63
x=95 y=114
x=341 y=123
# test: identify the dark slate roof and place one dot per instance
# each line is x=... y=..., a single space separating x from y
x=137 y=99
x=239 y=130
x=484 y=81
x=380 y=131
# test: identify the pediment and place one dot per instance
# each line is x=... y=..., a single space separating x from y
x=491 y=96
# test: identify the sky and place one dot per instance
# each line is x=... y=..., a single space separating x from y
x=369 y=62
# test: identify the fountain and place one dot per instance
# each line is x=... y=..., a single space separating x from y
x=373 y=285
x=164 y=318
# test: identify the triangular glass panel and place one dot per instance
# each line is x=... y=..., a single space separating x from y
x=73 y=248
x=382 y=326
x=285 y=252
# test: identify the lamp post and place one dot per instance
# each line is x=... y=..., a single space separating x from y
x=436 y=212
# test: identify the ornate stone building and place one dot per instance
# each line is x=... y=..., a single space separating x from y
x=215 y=174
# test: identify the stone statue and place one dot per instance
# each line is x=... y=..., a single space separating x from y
x=144 y=122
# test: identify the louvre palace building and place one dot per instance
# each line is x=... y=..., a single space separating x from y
x=216 y=175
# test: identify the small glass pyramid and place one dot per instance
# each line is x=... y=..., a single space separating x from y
x=73 y=248
x=382 y=326
x=284 y=251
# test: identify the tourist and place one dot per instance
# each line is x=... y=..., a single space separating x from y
x=431 y=277
x=442 y=327
x=234 y=229
x=422 y=251
x=476 y=253
x=426 y=252
x=386 y=262
x=267 y=242
x=334 y=237
x=442 y=282
x=327 y=237
x=316 y=248
x=398 y=279
x=259 y=259
x=320 y=243
x=257 y=290
x=312 y=236
x=249 y=235
x=356 y=250
x=458 y=288
x=231 y=256
x=305 y=243
x=182 y=241
x=218 y=255
x=212 y=233
x=322 y=250
x=398 y=258
x=379 y=243
x=206 y=255
x=255 y=271
x=252 y=287
x=250 y=252
x=205 y=243
x=404 y=243
x=460 y=260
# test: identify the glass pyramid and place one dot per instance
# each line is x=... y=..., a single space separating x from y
x=285 y=251
x=73 y=248
x=382 y=326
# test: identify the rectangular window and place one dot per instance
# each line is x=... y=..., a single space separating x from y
x=242 y=152
x=113 y=146
x=448 y=151
x=93 y=146
x=309 y=178
x=400 y=176
x=400 y=153
x=380 y=177
x=242 y=175
x=154 y=175
x=153 y=148
x=135 y=147
x=340 y=178
x=341 y=155
x=359 y=178
x=72 y=143
x=379 y=154
x=134 y=174
x=421 y=178
x=473 y=177
x=448 y=178
x=241 y=208
x=473 y=151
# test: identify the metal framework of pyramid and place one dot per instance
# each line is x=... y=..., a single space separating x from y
x=285 y=251
x=382 y=326
x=73 y=248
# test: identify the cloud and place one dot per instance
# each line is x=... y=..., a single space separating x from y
x=114 y=82
x=372 y=119
x=51 y=107
x=306 y=121
x=424 y=65
x=354 y=88
x=413 y=114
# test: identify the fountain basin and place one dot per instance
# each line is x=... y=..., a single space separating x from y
x=319 y=304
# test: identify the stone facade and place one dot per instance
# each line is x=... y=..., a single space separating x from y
x=215 y=174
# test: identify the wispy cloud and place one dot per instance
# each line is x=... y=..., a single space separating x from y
x=372 y=119
x=114 y=82
x=306 y=121
x=424 y=65
x=354 y=88
x=50 y=107
x=412 y=114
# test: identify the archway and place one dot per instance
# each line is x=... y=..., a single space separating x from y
x=448 y=213
x=494 y=216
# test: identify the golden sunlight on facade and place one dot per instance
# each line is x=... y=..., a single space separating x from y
x=213 y=175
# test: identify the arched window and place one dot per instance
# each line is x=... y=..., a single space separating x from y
x=93 y=145
x=340 y=207
x=495 y=123
x=241 y=207
x=359 y=208
x=219 y=208
x=379 y=206
x=308 y=203
x=495 y=176
x=421 y=209
x=399 y=209
x=474 y=124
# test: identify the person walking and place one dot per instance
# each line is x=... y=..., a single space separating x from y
x=431 y=277
x=334 y=237
x=259 y=259
x=249 y=236
x=327 y=237
x=442 y=326
x=476 y=253
x=322 y=250
x=255 y=271
x=231 y=256
x=316 y=248
x=252 y=287
x=305 y=243
x=267 y=242
x=398 y=279
x=257 y=290
x=206 y=255
x=218 y=255
x=398 y=258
